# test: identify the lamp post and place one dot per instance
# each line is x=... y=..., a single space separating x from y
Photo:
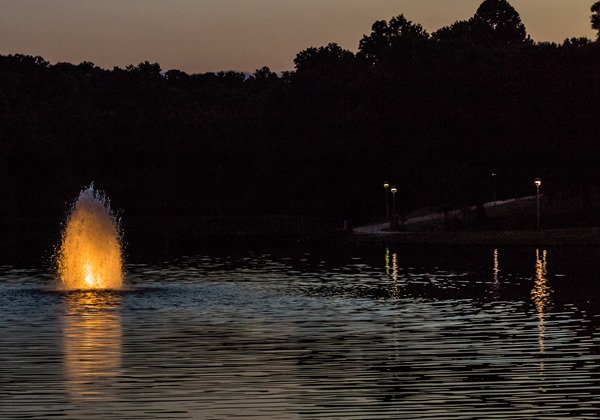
x=386 y=185
x=394 y=221
x=538 y=183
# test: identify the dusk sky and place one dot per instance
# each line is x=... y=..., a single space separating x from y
x=199 y=36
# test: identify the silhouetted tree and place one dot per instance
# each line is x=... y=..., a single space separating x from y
x=596 y=17
x=322 y=59
x=263 y=75
x=498 y=21
x=323 y=74
x=460 y=31
x=436 y=116
x=232 y=78
x=576 y=42
x=174 y=75
x=495 y=22
x=146 y=68
x=387 y=37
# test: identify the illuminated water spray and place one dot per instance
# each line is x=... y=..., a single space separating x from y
x=90 y=254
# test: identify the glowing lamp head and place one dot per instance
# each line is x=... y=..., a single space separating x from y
x=393 y=189
x=386 y=185
x=537 y=182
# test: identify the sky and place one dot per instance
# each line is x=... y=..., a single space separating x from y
x=198 y=36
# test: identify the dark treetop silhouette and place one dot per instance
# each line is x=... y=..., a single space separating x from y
x=435 y=114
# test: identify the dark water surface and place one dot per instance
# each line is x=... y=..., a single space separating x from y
x=369 y=332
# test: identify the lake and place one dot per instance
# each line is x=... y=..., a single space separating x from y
x=310 y=332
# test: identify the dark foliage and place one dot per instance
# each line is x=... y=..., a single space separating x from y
x=596 y=17
x=435 y=115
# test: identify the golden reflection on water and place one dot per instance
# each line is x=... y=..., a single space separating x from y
x=540 y=294
x=391 y=271
x=496 y=274
x=387 y=262
x=92 y=341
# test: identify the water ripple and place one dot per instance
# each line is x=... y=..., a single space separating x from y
x=268 y=337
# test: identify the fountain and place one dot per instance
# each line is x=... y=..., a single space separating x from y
x=90 y=254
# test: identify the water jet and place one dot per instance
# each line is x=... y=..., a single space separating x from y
x=90 y=253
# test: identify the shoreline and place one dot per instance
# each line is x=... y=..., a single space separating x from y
x=567 y=236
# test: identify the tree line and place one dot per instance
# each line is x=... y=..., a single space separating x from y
x=436 y=114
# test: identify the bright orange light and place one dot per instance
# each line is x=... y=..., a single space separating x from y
x=90 y=253
x=92 y=344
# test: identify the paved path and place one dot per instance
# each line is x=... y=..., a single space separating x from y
x=380 y=232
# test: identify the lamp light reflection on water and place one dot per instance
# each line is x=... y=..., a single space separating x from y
x=541 y=298
x=391 y=271
x=387 y=262
x=496 y=266
x=395 y=291
x=496 y=274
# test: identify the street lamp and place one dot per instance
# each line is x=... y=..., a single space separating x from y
x=538 y=183
x=394 y=221
x=386 y=185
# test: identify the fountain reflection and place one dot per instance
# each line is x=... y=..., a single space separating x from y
x=92 y=341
